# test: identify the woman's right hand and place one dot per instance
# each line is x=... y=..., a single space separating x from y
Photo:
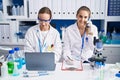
x=69 y=61
x=88 y=28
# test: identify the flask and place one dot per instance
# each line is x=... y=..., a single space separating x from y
x=10 y=62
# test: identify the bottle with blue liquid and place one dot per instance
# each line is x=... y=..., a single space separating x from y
x=18 y=58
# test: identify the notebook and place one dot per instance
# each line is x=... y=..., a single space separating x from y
x=37 y=61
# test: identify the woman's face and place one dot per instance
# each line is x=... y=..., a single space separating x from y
x=44 y=19
x=82 y=17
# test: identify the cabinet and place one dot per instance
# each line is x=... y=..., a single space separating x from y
x=7 y=30
x=22 y=27
x=112 y=52
x=112 y=13
x=15 y=9
x=13 y=32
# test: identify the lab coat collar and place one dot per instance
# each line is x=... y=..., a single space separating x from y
x=75 y=28
x=37 y=28
x=40 y=36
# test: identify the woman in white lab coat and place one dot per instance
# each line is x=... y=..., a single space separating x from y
x=43 y=37
x=78 y=39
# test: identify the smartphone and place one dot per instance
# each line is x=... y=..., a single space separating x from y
x=88 y=24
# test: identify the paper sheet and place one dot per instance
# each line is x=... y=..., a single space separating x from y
x=76 y=66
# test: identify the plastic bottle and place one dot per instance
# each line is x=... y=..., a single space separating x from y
x=103 y=36
x=16 y=54
x=108 y=41
x=22 y=56
x=18 y=10
x=114 y=35
x=100 y=34
x=10 y=62
x=22 y=10
x=1 y=15
x=18 y=58
x=14 y=12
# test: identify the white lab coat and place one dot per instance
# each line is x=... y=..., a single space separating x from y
x=32 y=44
x=73 y=43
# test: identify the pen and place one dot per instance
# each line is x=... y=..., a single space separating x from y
x=2 y=57
x=52 y=45
x=34 y=72
x=69 y=58
x=34 y=75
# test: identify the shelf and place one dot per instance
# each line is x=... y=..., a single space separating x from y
x=16 y=17
x=10 y=44
x=15 y=9
x=113 y=18
x=111 y=45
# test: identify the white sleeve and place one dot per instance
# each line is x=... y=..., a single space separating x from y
x=28 y=42
x=66 y=45
x=89 y=52
x=57 y=47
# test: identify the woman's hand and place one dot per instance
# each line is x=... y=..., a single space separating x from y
x=88 y=28
x=69 y=61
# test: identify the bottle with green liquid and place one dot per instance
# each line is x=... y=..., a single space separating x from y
x=10 y=62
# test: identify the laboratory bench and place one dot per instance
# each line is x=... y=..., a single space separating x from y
x=86 y=74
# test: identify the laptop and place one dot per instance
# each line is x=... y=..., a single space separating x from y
x=36 y=61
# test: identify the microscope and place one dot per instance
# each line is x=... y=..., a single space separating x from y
x=97 y=59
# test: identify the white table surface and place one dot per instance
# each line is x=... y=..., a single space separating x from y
x=58 y=74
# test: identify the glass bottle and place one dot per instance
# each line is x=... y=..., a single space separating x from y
x=10 y=61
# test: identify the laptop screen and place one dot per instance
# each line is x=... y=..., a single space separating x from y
x=40 y=61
